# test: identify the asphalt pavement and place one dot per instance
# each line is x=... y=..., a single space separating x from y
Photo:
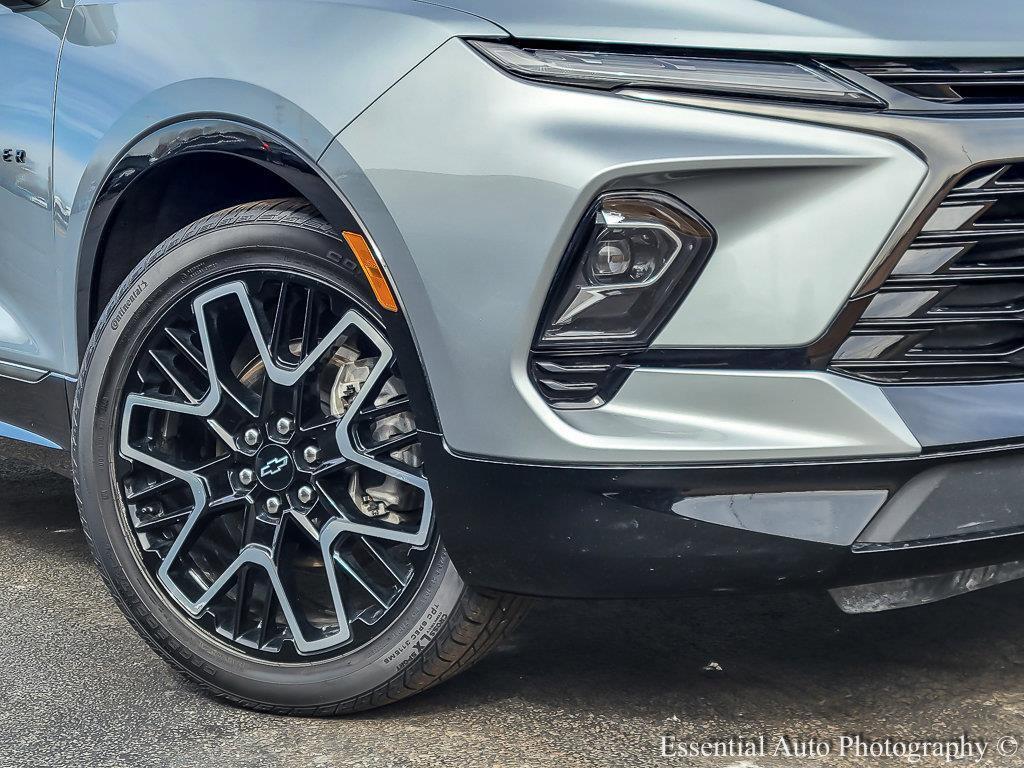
x=580 y=683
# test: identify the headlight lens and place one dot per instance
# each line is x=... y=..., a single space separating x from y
x=633 y=258
x=724 y=77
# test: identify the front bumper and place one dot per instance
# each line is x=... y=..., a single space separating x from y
x=731 y=459
x=648 y=531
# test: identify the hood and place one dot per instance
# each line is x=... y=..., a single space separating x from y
x=894 y=28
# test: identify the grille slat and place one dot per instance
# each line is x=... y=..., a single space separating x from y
x=570 y=380
x=996 y=83
x=953 y=308
x=991 y=194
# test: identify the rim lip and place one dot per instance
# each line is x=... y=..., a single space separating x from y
x=114 y=459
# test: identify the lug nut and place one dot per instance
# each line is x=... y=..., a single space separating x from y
x=245 y=476
x=284 y=425
x=311 y=454
x=273 y=504
x=305 y=494
x=251 y=436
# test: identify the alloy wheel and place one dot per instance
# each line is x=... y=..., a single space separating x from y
x=270 y=467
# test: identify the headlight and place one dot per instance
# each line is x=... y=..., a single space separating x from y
x=630 y=262
x=724 y=77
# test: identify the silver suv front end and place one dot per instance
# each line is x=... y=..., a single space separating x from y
x=752 y=425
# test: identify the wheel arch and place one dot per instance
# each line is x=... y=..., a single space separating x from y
x=159 y=172
x=202 y=148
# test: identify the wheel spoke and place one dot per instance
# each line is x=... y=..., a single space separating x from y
x=277 y=329
x=163 y=520
x=384 y=601
x=242 y=586
x=308 y=326
x=182 y=341
x=401 y=575
x=269 y=604
x=176 y=376
x=133 y=492
x=389 y=408
x=279 y=399
x=391 y=445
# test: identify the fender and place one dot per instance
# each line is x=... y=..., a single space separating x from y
x=131 y=69
x=134 y=74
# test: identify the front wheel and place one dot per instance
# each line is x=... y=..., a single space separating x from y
x=250 y=476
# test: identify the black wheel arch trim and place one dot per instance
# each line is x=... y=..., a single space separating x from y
x=216 y=134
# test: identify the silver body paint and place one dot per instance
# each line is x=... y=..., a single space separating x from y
x=470 y=183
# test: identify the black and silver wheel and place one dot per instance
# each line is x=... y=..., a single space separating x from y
x=251 y=477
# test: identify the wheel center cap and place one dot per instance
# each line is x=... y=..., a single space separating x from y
x=274 y=468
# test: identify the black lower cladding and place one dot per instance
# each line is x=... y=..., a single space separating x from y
x=620 y=532
x=35 y=423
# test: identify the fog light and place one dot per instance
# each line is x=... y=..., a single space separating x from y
x=630 y=263
x=612 y=258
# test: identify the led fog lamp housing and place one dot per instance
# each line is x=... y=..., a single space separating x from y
x=631 y=261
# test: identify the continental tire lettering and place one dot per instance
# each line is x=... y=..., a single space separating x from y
x=129 y=300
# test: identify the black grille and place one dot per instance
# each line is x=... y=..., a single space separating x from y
x=570 y=380
x=966 y=82
x=953 y=308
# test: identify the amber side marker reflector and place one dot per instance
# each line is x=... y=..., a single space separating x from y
x=372 y=270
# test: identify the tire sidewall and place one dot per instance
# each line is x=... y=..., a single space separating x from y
x=152 y=288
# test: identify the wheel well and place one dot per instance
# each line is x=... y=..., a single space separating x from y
x=166 y=198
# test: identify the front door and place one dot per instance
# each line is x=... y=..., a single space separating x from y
x=30 y=42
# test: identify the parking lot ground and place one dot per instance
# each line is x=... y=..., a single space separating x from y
x=580 y=683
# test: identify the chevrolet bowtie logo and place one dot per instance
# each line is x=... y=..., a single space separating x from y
x=274 y=466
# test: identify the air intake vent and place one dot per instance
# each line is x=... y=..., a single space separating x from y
x=952 y=82
x=953 y=308
x=578 y=380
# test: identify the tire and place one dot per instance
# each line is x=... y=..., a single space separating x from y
x=279 y=662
